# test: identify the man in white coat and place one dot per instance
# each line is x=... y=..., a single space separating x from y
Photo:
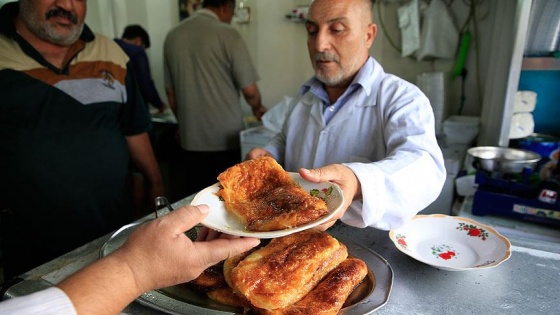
x=370 y=132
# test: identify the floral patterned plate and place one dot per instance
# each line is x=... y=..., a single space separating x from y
x=451 y=243
x=220 y=220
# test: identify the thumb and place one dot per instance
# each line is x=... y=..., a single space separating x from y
x=314 y=175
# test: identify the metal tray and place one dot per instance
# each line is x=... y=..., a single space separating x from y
x=369 y=296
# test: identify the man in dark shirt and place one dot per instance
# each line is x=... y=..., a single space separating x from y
x=72 y=120
x=134 y=41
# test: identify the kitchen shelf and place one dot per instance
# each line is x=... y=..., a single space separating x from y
x=540 y=63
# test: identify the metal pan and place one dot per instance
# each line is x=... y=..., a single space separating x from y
x=370 y=295
x=503 y=160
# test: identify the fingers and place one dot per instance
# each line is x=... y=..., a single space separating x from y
x=202 y=234
x=256 y=153
x=207 y=234
x=336 y=173
x=219 y=249
x=341 y=175
x=332 y=173
x=313 y=175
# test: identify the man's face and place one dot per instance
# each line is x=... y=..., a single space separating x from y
x=59 y=22
x=340 y=33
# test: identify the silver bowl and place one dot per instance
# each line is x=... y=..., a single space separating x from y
x=503 y=160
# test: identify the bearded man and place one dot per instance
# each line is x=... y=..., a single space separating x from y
x=71 y=120
x=370 y=132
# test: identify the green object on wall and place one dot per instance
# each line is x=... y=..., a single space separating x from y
x=462 y=55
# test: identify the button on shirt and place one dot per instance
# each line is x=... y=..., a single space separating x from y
x=383 y=129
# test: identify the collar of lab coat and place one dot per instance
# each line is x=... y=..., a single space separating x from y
x=368 y=77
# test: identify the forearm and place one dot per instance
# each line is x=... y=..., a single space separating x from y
x=143 y=157
x=171 y=99
x=253 y=98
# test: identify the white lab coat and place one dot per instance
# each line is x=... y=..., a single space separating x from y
x=385 y=133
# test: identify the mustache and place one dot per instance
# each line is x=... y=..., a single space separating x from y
x=62 y=13
x=325 y=56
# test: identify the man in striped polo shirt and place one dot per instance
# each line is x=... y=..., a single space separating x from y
x=71 y=119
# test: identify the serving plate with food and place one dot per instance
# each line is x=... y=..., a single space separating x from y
x=451 y=243
x=257 y=198
x=368 y=296
x=294 y=269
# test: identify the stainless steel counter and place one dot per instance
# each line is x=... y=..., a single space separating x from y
x=525 y=284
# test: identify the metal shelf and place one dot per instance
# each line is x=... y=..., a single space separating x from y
x=540 y=63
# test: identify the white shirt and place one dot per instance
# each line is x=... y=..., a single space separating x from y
x=51 y=301
x=384 y=132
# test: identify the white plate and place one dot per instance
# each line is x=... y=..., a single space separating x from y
x=451 y=243
x=221 y=220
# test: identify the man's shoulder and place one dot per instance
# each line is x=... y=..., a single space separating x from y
x=103 y=48
x=130 y=49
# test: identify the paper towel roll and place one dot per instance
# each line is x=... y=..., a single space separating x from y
x=524 y=102
x=522 y=125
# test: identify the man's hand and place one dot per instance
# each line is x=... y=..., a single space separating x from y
x=257 y=153
x=340 y=175
x=157 y=254
x=160 y=254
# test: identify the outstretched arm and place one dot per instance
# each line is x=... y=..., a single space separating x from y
x=156 y=255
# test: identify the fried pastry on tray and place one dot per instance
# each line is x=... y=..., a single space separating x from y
x=210 y=279
x=287 y=269
x=227 y=296
x=212 y=282
x=328 y=297
x=264 y=197
x=231 y=263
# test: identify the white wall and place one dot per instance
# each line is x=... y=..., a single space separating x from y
x=278 y=46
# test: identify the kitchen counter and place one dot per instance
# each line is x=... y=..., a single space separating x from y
x=524 y=284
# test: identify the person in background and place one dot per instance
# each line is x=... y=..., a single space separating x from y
x=188 y=7
x=206 y=65
x=157 y=254
x=72 y=120
x=134 y=41
x=366 y=130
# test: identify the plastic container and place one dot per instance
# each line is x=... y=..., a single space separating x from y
x=461 y=129
x=548 y=146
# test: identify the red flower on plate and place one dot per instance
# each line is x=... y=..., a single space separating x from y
x=473 y=230
x=444 y=252
x=401 y=240
x=447 y=255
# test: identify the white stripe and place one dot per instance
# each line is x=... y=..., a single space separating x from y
x=91 y=91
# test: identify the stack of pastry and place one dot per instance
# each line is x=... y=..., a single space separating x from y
x=303 y=273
